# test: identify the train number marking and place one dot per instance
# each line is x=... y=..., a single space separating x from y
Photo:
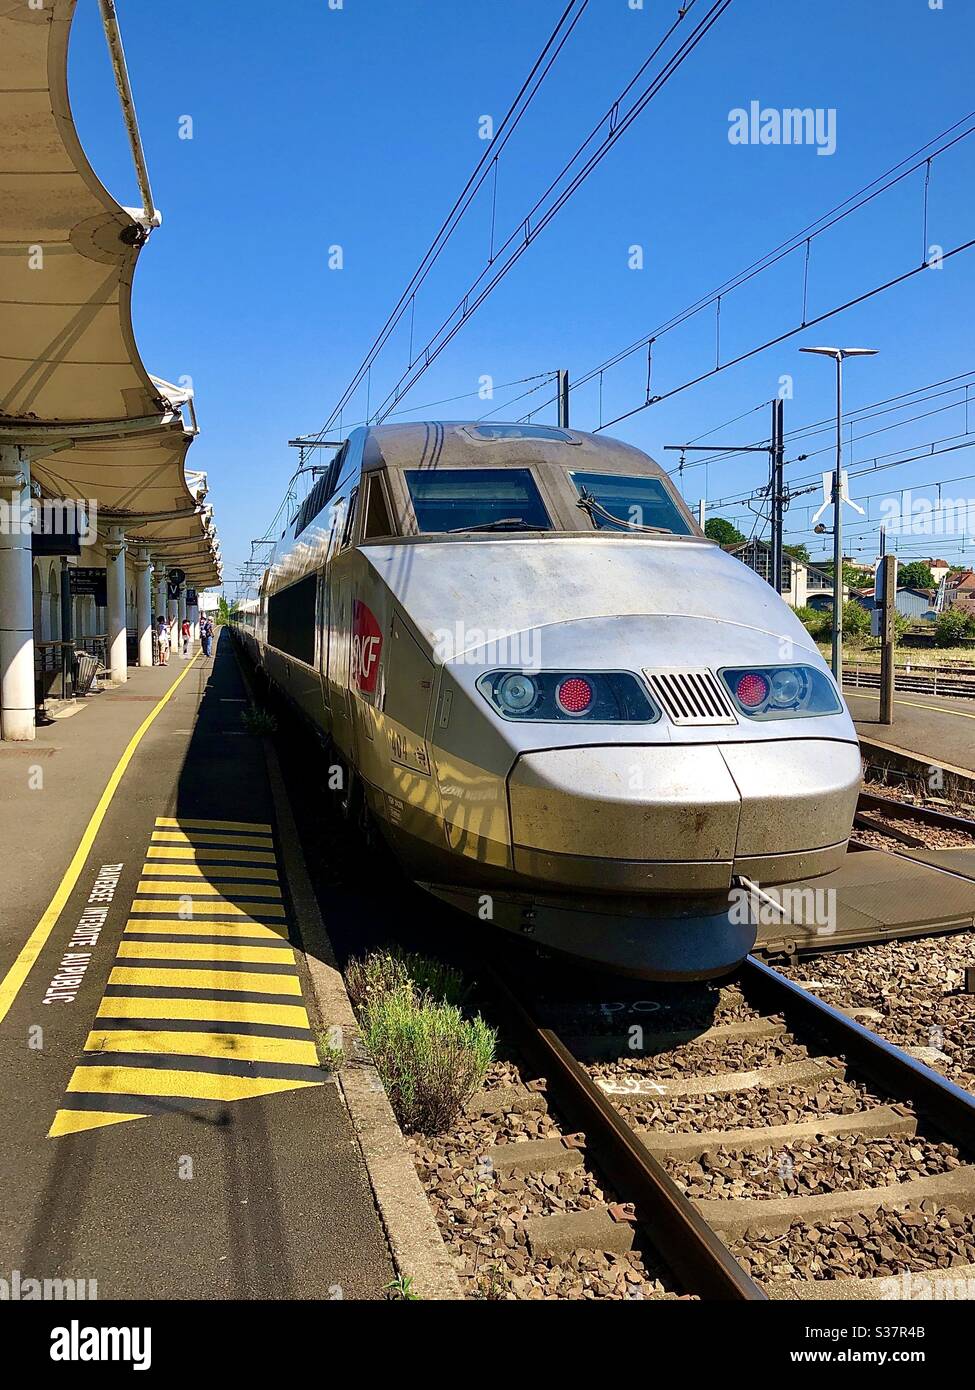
x=367 y=646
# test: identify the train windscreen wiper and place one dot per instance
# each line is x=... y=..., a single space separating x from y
x=504 y=523
x=594 y=509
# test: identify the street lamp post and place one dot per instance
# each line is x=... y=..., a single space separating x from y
x=838 y=354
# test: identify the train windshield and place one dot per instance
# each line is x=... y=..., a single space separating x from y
x=476 y=499
x=629 y=501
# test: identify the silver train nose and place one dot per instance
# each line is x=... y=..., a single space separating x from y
x=673 y=819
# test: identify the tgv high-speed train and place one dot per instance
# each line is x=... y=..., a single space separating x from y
x=569 y=712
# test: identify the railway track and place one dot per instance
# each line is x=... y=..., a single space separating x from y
x=645 y=1118
x=955 y=684
x=910 y=824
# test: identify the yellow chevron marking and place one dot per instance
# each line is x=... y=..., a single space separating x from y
x=253 y=981
x=203 y=856
x=218 y=907
x=150 y=1081
x=178 y=823
x=244 y=873
x=200 y=837
x=244 y=1046
x=200 y=950
x=177 y=926
x=212 y=1010
x=73 y=1121
x=212 y=890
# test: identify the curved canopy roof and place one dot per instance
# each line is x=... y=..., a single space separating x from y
x=72 y=384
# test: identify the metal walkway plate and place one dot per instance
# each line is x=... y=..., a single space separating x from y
x=956 y=861
x=874 y=895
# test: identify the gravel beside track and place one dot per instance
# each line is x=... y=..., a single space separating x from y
x=832 y=1163
x=916 y=987
x=705 y=1059
x=746 y=1109
x=862 y=1247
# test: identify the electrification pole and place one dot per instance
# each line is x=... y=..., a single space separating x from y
x=778 y=498
x=838 y=354
x=563 y=399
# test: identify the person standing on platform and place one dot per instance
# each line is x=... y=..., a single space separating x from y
x=162 y=633
x=206 y=635
x=185 y=633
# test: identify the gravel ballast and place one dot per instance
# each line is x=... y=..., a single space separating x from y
x=837 y=1163
x=862 y=1247
x=916 y=987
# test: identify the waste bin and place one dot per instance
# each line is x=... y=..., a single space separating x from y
x=85 y=667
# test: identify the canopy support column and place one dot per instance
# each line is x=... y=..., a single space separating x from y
x=16 y=599
x=144 y=606
x=115 y=560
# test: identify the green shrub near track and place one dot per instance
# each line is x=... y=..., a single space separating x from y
x=430 y=1056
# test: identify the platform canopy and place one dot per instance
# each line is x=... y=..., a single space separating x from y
x=72 y=384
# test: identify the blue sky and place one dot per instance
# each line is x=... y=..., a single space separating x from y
x=357 y=127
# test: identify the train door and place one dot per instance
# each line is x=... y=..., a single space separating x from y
x=339 y=614
x=321 y=630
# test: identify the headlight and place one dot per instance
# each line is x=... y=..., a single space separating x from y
x=781 y=692
x=592 y=697
x=516 y=693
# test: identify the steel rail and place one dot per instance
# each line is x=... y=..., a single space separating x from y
x=678 y=1232
x=949 y=1108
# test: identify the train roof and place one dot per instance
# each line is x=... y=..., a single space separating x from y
x=485 y=443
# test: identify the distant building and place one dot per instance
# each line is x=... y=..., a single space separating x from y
x=802 y=584
x=938 y=568
x=960 y=587
x=917 y=605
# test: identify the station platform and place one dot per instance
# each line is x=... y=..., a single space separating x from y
x=938 y=729
x=166 y=1128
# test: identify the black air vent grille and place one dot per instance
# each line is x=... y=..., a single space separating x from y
x=692 y=697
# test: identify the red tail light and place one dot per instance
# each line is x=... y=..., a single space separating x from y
x=574 y=695
x=752 y=689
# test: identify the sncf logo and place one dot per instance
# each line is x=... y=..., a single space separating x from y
x=367 y=646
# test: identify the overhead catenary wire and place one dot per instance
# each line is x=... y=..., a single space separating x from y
x=895 y=174
x=618 y=126
x=525 y=233
x=513 y=116
x=852 y=416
